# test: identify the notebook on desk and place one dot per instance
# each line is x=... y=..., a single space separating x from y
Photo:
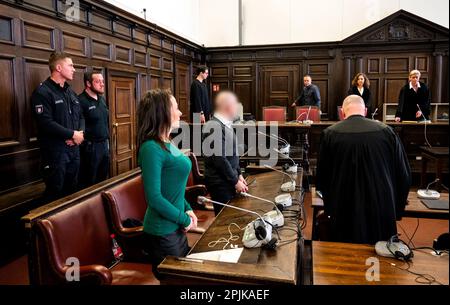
x=435 y=204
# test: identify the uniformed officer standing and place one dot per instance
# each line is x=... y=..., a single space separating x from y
x=95 y=149
x=60 y=125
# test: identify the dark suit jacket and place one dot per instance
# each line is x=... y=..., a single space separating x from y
x=222 y=169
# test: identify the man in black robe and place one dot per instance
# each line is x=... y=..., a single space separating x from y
x=364 y=176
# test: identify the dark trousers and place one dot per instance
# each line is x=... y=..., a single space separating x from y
x=221 y=194
x=60 y=173
x=94 y=162
x=158 y=247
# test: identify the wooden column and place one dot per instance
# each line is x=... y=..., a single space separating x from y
x=347 y=73
x=359 y=65
x=437 y=98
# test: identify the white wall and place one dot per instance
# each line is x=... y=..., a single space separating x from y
x=215 y=22
x=178 y=16
x=291 y=21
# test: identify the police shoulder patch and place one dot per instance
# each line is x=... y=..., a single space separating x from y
x=39 y=109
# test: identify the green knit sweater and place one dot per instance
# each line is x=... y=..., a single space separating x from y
x=164 y=174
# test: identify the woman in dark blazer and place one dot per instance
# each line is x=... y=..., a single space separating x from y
x=360 y=86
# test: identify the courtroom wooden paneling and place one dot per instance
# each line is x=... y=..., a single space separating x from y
x=105 y=39
x=386 y=51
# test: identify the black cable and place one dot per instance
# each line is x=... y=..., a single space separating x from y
x=437 y=252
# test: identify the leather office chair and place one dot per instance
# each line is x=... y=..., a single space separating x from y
x=127 y=201
x=82 y=232
x=274 y=113
x=307 y=113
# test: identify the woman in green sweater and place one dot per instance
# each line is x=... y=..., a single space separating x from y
x=165 y=170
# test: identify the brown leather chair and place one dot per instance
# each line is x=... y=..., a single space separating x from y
x=81 y=231
x=127 y=201
x=274 y=113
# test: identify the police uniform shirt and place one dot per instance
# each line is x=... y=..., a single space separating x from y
x=58 y=114
x=96 y=115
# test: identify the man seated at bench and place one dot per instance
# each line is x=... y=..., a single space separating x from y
x=165 y=171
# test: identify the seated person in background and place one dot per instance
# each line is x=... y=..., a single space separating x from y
x=222 y=172
x=413 y=94
x=310 y=95
x=165 y=170
x=364 y=176
x=360 y=86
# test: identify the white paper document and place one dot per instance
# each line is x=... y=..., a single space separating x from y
x=227 y=256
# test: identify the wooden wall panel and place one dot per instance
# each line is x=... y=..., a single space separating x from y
x=8 y=109
x=108 y=40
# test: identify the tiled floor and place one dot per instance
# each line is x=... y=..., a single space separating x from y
x=16 y=272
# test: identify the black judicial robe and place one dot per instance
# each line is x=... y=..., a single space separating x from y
x=364 y=175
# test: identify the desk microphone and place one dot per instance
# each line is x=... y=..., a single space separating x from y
x=283 y=149
x=425 y=125
x=374 y=113
x=427 y=193
x=258 y=233
x=275 y=216
x=307 y=120
x=290 y=169
x=287 y=186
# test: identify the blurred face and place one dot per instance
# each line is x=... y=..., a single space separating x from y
x=175 y=113
x=414 y=79
x=232 y=107
x=65 y=68
x=360 y=81
x=307 y=81
x=98 y=84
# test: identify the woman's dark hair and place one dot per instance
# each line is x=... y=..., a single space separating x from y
x=154 y=117
x=366 y=80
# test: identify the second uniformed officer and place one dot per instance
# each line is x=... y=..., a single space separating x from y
x=60 y=126
x=95 y=149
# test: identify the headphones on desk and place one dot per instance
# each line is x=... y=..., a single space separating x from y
x=399 y=249
x=261 y=234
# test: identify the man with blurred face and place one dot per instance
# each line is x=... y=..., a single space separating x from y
x=222 y=172
x=60 y=126
x=95 y=150
x=414 y=100
x=310 y=95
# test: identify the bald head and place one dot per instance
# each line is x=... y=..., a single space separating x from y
x=353 y=105
x=226 y=104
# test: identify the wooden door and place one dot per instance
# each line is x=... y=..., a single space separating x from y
x=122 y=103
x=182 y=88
x=279 y=86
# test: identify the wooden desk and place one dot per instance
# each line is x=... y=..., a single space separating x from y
x=414 y=208
x=437 y=154
x=255 y=266
x=345 y=264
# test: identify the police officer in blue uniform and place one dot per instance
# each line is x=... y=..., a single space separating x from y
x=60 y=125
x=95 y=149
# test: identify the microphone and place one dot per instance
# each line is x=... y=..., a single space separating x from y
x=278 y=219
x=431 y=183
x=201 y=200
x=287 y=186
x=290 y=169
x=257 y=233
x=427 y=193
x=283 y=149
x=374 y=113
x=425 y=126
x=306 y=121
